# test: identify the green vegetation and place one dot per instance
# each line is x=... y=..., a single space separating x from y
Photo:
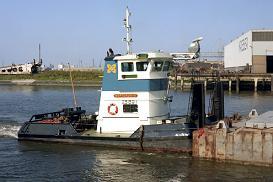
x=94 y=75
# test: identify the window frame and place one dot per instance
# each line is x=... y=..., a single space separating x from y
x=133 y=67
x=130 y=108
x=164 y=66
x=147 y=62
x=154 y=67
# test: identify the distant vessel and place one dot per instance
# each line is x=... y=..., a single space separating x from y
x=28 y=68
x=134 y=108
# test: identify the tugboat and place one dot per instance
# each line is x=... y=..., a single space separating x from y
x=134 y=108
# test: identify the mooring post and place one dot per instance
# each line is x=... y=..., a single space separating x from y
x=197 y=113
x=182 y=83
x=237 y=84
x=255 y=84
x=229 y=85
x=272 y=83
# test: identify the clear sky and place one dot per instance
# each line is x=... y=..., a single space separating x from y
x=82 y=30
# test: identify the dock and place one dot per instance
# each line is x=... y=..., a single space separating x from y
x=245 y=145
x=250 y=142
x=231 y=81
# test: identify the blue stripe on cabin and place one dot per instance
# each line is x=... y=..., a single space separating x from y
x=111 y=82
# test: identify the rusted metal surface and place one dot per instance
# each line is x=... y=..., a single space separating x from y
x=250 y=145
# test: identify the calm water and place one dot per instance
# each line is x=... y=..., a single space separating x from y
x=28 y=161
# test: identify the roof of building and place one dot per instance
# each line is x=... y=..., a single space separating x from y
x=251 y=30
x=261 y=30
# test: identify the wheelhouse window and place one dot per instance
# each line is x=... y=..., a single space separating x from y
x=167 y=66
x=142 y=66
x=127 y=67
x=129 y=108
x=157 y=66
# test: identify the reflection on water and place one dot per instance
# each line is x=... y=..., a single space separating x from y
x=22 y=88
x=21 y=102
x=245 y=101
x=33 y=161
x=29 y=161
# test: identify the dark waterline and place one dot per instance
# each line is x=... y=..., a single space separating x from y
x=29 y=161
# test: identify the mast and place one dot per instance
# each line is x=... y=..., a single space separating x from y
x=128 y=27
x=73 y=89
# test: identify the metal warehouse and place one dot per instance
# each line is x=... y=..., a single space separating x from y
x=251 y=52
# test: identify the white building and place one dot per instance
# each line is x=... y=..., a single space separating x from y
x=60 y=67
x=253 y=49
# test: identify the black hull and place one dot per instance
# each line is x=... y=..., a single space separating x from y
x=157 y=144
x=165 y=138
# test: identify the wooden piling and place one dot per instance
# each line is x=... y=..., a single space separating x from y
x=229 y=85
x=272 y=83
x=255 y=84
x=175 y=82
x=263 y=84
x=182 y=83
x=237 y=84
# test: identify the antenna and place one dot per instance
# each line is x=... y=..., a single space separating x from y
x=73 y=89
x=128 y=27
x=193 y=51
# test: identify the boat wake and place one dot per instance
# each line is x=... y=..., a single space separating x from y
x=9 y=130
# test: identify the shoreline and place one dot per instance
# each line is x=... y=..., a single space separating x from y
x=51 y=83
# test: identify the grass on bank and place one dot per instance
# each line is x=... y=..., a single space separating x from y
x=94 y=75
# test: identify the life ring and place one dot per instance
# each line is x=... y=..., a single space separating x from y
x=110 y=111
